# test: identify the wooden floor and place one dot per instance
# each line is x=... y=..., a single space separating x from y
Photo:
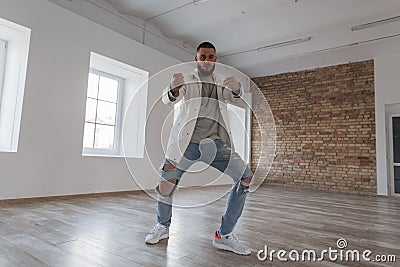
x=109 y=230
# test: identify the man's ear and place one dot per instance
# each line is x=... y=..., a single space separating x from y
x=195 y=58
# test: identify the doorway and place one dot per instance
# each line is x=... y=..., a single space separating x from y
x=394 y=154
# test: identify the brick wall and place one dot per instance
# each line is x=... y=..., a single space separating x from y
x=325 y=126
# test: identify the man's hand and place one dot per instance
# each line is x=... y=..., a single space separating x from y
x=177 y=82
x=232 y=84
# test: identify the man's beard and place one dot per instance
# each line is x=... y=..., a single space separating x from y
x=204 y=72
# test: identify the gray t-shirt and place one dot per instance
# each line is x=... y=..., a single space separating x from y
x=209 y=119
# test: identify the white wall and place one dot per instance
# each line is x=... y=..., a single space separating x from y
x=49 y=159
x=103 y=13
x=387 y=92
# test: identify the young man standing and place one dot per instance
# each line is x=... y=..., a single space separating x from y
x=202 y=125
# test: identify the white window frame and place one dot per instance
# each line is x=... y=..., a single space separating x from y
x=12 y=87
x=132 y=96
x=118 y=118
x=3 y=54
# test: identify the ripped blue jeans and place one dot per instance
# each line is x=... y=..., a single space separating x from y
x=220 y=156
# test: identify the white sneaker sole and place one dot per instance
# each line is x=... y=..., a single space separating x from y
x=155 y=241
x=225 y=247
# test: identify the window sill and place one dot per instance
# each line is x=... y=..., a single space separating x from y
x=110 y=156
x=7 y=151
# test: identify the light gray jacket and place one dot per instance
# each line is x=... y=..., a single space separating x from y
x=182 y=130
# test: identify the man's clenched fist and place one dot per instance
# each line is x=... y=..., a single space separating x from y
x=177 y=82
x=232 y=84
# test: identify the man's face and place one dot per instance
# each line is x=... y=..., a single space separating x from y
x=206 y=57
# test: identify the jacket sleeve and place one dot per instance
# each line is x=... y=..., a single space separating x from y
x=233 y=98
x=230 y=96
x=168 y=99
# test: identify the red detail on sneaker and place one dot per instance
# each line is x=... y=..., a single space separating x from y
x=217 y=236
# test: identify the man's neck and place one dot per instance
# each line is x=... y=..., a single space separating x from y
x=206 y=76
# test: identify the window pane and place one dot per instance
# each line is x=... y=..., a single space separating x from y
x=104 y=137
x=90 y=110
x=93 y=85
x=88 y=135
x=108 y=89
x=106 y=112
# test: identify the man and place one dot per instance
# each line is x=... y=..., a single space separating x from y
x=202 y=128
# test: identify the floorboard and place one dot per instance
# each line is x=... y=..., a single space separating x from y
x=110 y=230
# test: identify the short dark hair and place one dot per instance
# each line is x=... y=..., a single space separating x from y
x=206 y=45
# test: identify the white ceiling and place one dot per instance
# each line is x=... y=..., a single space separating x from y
x=235 y=26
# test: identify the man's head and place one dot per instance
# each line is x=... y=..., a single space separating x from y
x=206 y=56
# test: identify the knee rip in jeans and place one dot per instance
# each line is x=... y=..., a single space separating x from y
x=232 y=156
x=168 y=167
x=166 y=188
x=246 y=182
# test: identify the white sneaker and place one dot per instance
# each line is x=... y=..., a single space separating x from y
x=230 y=243
x=158 y=233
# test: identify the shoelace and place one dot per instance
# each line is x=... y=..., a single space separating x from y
x=155 y=229
x=232 y=236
